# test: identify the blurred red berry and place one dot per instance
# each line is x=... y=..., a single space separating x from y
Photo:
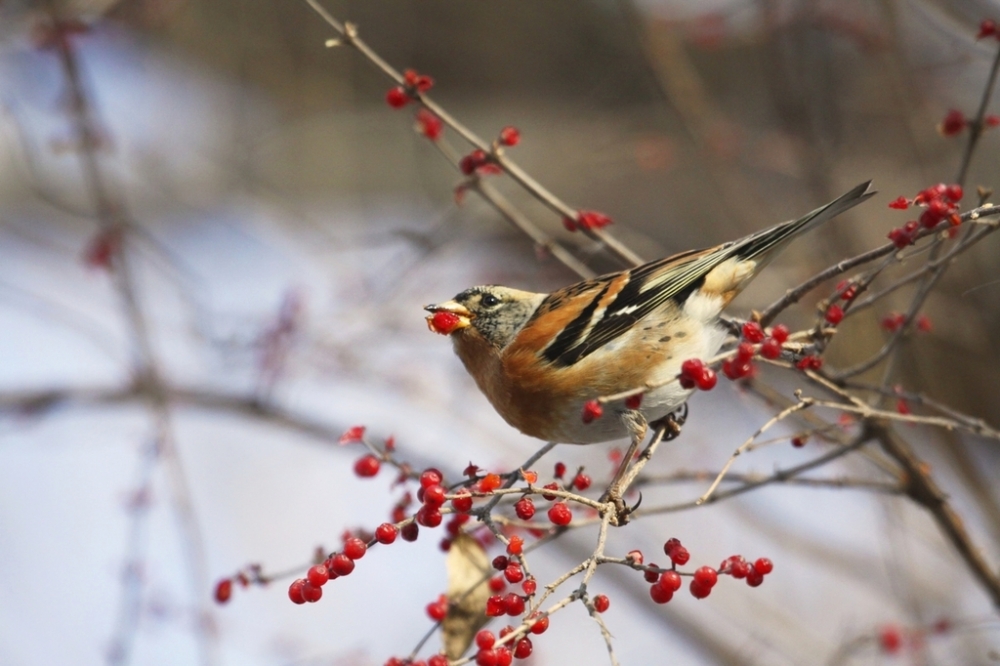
x=899 y=203
x=560 y=514
x=591 y=410
x=601 y=603
x=430 y=125
x=987 y=28
x=224 y=590
x=367 y=466
x=510 y=136
x=953 y=123
x=397 y=98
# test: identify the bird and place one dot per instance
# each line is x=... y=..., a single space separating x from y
x=540 y=358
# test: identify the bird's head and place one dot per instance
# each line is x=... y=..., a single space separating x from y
x=495 y=313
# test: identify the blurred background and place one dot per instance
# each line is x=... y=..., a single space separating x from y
x=284 y=228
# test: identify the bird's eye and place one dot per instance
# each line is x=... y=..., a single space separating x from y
x=489 y=300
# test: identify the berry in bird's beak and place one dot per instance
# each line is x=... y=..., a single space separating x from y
x=447 y=317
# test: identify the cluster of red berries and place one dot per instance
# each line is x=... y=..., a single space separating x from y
x=770 y=345
x=694 y=373
x=810 y=362
x=491 y=654
x=478 y=162
x=940 y=202
x=665 y=584
x=587 y=220
x=894 y=321
x=310 y=588
x=413 y=85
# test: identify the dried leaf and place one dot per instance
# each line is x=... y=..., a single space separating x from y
x=468 y=589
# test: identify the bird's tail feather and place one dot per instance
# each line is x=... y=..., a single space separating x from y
x=761 y=244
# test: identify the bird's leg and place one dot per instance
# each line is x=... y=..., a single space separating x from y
x=665 y=430
x=637 y=427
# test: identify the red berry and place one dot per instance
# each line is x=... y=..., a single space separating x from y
x=671 y=544
x=486 y=658
x=659 y=594
x=770 y=349
x=430 y=477
x=295 y=591
x=591 y=410
x=752 y=332
x=434 y=495
x=497 y=584
x=510 y=136
x=890 y=639
x=893 y=321
x=437 y=610
x=504 y=657
x=987 y=28
x=634 y=401
x=500 y=562
x=524 y=508
x=438 y=660
x=318 y=575
x=634 y=556
x=954 y=193
x=513 y=573
x=707 y=379
x=924 y=324
x=744 y=352
x=560 y=514
x=706 y=576
x=462 y=504
x=699 y=590
x=386 y=533
x=523 y=648
x=355 y=548
x=992 y=120
x=496 y=606
x=489 y=483
x=739 y=568
x=780 y=333
x=515 y=545
x=953 y=123
x=651 y=576
x=734 y=369
x=485 y=639
x=671 y=580
x=311 y=593
x=811 y=362
x=581 y=481
x=560 y=470
x=530 y=586
x=899 y=203
x=847 y=290
x=367 y=466
x=834 y=314
x=680 y=556
x=591 y=219
x=550 y=486
x=541 y=625
x=763 y=566
x=799 y=441
x=601 y=603
x=224 y=590
x=353 y=434
x=430 y=125
x=410 y=532
x=515 y=604
x=428 y=516
x=342 y=564
x=692 y=368
x=397 y=98
x=754 y=577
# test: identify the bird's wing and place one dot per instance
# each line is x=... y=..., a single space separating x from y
x=583 y=317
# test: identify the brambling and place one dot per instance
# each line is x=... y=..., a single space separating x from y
x=539 y=358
